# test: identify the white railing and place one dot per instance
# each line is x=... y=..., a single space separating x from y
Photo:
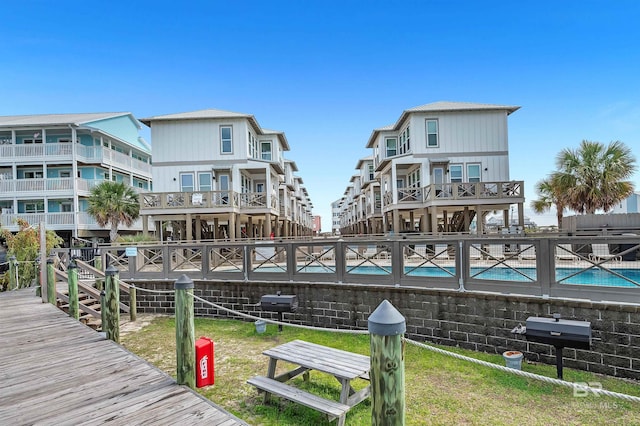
x=63 y=220
x=35 y=185
x=98 y=154
x=36 y=150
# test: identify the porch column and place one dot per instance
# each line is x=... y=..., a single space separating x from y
x=505 y=218
x=250 y=232
x=479 y=220
x=467 y=221
x=267 y=226
x=216 y=230
x=231 y=226
x=145 y=225
x=412 y=226
x=434 y=220
x=396 y=221
x=238 y=226
x=189 y=227
x=425 y=220
x=445 y=221
x=198 y=228
x=521 y=215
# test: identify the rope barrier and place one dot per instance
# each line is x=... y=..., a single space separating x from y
x=578 y=386
x=575 y=386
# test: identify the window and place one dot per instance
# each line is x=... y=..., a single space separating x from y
x=455 y=173
x=35 y=207
x=33 y=175
x=64 y=140
x=66 y=207
x=223 y=182
x=370 y=171
x=432 y=133
x=226 y=141
x=31 y=141
x=265 y=150
x=473 y=172
x=259 y=187
x=405 y=141
x=391 y=144
x=186 y=182
x=204 y=181
x=65 y=174
x=253 y=145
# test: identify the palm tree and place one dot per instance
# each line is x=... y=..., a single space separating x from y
x=550 y=193
x=594 y=176
x=113 y=203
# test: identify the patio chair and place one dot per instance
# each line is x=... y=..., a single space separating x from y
x=475 y=252
x=601 y=252
x=565 y=252
x=496 y=251
x=441 y=252
x=527 y=252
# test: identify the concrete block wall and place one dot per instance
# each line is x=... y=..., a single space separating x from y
x=477 y=321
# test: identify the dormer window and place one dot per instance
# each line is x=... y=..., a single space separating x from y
x=226 y=141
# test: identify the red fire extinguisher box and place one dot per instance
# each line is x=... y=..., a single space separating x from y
x=204 y=362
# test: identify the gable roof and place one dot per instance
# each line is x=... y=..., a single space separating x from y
x=441 y=106
x=59 y=119
x=206 y=114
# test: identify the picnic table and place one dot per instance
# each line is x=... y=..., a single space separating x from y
x=344 y=366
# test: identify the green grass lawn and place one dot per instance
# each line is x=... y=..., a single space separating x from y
x=439 y=389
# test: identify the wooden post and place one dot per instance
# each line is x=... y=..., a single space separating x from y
x=386 y=327
x=13 y=269
x=133 y=311
x=51 y=282
x=103 y=310
x=72 y=279
x=185 y=334
x=43 y=257
x=112 y=305
x=98 y=266
x=38 y=269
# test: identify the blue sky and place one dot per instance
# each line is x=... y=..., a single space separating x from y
x=328 y=72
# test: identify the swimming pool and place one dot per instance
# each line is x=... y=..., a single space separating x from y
x=592 y=276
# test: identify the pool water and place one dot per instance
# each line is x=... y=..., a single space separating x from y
x=592 y=276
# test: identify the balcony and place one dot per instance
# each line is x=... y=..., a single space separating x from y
x=11 y=187
x=459 y=194
x=36 y=152
x=62 y=221
x=101 y=155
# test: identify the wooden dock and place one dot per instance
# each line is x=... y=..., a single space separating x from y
x=57 y=371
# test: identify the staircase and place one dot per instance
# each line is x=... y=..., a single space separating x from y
x=456 y=223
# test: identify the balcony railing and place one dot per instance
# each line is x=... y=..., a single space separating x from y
x=8 y=187
x=98 y=154
x=39 y=150
x=458 y=191
x=58 y=221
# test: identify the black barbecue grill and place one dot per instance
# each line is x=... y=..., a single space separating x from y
x=279 y=303
x=557 y=332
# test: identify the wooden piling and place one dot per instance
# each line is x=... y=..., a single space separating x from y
x=185 y=333
x=13 y=268
x=386 y=327
x=51 y=283
x=133 y=310
x=111 y=326
x=72 y=279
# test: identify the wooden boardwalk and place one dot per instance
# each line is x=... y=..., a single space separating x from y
x=57 y=371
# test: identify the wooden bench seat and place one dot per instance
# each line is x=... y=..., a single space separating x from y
x=332 y=409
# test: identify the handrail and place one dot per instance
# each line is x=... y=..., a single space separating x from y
x=124 y=286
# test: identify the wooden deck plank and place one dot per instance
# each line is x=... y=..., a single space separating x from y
x=58 y=371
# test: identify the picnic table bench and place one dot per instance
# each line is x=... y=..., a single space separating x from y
x=344 y=366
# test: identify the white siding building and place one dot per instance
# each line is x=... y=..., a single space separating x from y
x=441 y=165
x=219 y=174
